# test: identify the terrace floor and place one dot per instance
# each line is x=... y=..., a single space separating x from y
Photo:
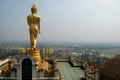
x=70 y=73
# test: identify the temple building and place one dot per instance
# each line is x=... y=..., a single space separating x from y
x=59 y=69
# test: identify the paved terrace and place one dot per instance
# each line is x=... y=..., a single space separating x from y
x=70 y=73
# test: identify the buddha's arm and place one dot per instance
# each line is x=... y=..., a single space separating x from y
x=28 y=21
x=39 y=24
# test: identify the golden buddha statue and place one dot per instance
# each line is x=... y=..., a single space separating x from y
x=34 y=26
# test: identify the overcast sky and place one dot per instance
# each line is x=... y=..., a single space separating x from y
x=62 y=20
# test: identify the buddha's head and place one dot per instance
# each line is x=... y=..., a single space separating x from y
x=34 y=9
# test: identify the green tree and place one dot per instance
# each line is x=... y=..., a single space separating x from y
x=111 y=69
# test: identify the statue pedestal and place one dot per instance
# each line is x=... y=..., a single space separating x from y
x=35 y=54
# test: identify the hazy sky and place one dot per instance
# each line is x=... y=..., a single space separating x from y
x=62 y=20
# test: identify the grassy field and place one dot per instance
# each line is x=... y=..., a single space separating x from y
x=110 y=53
